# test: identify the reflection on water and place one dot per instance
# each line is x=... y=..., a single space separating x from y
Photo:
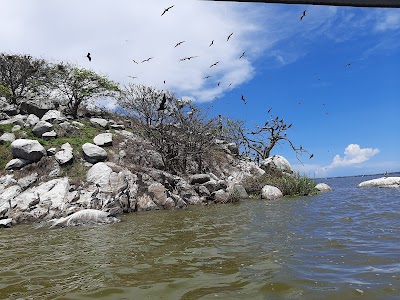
x=342 y=244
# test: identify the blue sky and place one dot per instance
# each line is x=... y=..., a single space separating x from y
x=348 y=115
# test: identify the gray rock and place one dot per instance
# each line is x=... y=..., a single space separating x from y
x=16 y=128
x=51 y=151
x=203 y=191
x=118 y=126
x=34 y=108
x=67 y=126
x=93 y=153
x=6 y=223
x=17 y=163
x=323 y=187
x=238 y=190
x=145 y=202
x=99 y=122
x=7 y=137
x=392 y=182
x=85 y=217
x=277 y=163
x=271 y=193
x=154 y=159
x=27 y=181
x=199 y=178
x=52 y=116
x=7 y=108
x=220 y=196
x=212 y=185
x=158 y=193
x=103 y=139
x=41 y=127
x=64 y=156
x=76 y=123
x=99 y=174
x=49 y=135
x=32 y=120
x=27 y=149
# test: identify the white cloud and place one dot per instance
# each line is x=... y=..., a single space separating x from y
x=354 y=154
x=388 y=20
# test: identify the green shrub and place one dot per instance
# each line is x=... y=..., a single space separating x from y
x=294 y=185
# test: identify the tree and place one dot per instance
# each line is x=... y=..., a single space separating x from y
x=21 y=76
x=79 y=86
x=180 y=131
x=262 y=140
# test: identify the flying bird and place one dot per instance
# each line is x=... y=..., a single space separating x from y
x=133 y=77
x=242 y=55
x=167 y=9
x=162 y=104
x=311 y=156
x=135 y=61
x=214 y=64
x=230 y=84
x=89 y=57
x=147 y=59
x=207 y=77
x=229 y=36
x=304 y=14
x=347 y=65
x=180 y=43
x=244 y=100
x=212 y=43
x=188 y=58
x=269 y=110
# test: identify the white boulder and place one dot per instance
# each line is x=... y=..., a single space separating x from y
x=271 y=192
x=323 y=187
x=381 y=182
x=27 y=149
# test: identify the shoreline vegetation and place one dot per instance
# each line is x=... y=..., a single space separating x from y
x=60 y=153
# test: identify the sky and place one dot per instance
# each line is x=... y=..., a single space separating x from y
x=334 y=74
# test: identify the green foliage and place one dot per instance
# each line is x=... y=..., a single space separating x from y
x=294 y=185
x=5 y=155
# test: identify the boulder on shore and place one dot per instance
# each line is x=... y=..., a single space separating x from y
x=277 y=163
x=323 y=187
x=392 y=182
x=271 y=192
x=27 y=149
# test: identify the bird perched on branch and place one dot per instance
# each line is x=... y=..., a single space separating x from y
x=162 y=104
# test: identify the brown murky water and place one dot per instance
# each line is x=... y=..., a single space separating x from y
x=340 y=245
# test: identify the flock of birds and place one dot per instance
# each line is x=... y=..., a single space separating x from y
x=162 y=105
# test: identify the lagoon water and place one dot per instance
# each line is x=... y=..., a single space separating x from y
x=343 y=244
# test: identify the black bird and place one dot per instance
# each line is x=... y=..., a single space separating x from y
x=219 y=83
x=135 y=61
x=269 y=110
x=188 y=58
x=304 y=14
x=242 y=55
x=244 y=100
x=147 y=59
x=212 y=43
x=229 y=36
x=214 y=64
x=162 y=104
x=164 y=81
x=207 y=77
x=167 y=9
x=180 y=43
x=311 y=156
x=347 y=65
x=133 y=77
x=230 y=84
x=89 y=57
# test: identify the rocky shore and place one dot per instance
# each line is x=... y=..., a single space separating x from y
x=47 y=179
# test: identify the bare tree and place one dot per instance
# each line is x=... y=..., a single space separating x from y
x=178 y=130
x=259 y=143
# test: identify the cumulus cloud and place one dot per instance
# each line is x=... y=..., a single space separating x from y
x=353 y=154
